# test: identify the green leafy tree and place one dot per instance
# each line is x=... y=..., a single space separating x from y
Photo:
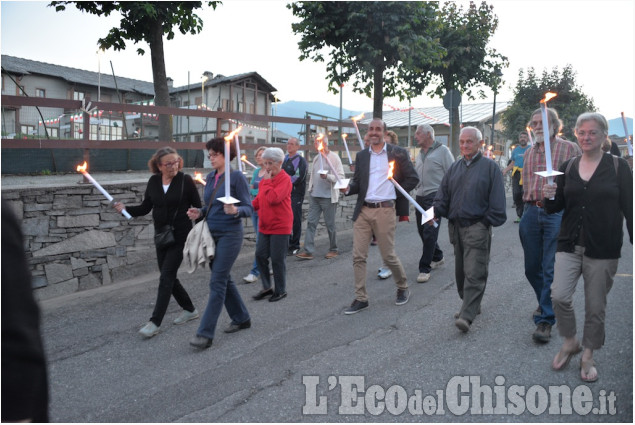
x=570 y=101
x=149 y=22
x=378 y=45
x=469 y=63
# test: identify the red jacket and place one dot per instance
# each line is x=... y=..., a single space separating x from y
x=273 y=204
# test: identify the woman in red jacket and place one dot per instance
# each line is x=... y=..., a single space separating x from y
x=275 y=222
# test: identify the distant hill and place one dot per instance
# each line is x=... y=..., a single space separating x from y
x=297 y=109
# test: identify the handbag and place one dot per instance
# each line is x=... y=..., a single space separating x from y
x=164 y=237
x=200 y=246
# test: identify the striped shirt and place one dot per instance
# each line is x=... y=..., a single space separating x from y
x=534 y=160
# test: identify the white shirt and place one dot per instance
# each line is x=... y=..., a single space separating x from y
x=379 y=188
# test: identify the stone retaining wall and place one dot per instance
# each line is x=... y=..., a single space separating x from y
x=75 y=241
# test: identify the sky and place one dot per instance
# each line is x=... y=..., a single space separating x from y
x=595 y=37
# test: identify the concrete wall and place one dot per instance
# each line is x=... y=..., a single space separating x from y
x=74 y=241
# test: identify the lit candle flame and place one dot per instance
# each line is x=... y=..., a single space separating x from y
x=391 y=169
x=233 y=133
x=243 y=158
x=199 y=178
x=344 y=136
x=358 y=117
x=490 y=147
x=82 y=168
x=548 y=96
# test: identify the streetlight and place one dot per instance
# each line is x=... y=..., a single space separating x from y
x=203 y=79
x=497 y=75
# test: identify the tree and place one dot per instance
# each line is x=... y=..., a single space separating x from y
x=377 y=44
x=570 y=101
x=149 y=22
x=468 y=62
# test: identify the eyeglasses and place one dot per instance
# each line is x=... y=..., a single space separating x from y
x=213 y=155
x=170 y=164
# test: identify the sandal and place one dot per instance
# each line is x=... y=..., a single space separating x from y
x=585 y=369
x=569 y=355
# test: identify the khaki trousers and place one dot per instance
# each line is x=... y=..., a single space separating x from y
x=381 y=222
x=598 y=278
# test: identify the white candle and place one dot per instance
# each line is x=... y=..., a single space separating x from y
x=82 y=169
x=549 y=173
x=350 y=160
x=330 y=164
x=240 y=164
x=629 y=146
x=244 y=159
x=545 y=134
x=227 y=169
x=531 y=141
x=425 y=215
x=359 y=137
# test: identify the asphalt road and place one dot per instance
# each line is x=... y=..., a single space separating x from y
x=305 y=361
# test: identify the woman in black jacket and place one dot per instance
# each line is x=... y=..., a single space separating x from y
x=169 y=194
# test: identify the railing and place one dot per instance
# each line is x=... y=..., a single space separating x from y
x=87 y=143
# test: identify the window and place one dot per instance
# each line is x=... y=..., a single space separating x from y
x=53 y=131
x=252 y=108
x=19 y=90
x=40 y=93
x=79 y=95
x=27 y=129
x=241 y=107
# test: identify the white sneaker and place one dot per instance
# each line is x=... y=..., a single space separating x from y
x=250 y=278
x=423 y=277
x=384 y=273
x=149 y=330
x=437 y=264
x=186 y=316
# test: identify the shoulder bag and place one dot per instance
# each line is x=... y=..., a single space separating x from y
x=164 y=237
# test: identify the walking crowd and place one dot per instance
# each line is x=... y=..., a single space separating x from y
x=569 y=228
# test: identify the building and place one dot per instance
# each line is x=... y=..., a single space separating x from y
x=249 y=93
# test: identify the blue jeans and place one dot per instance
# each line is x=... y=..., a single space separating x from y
x=274 y=247
x=254 y=266
x=222 y=289
x=539 y=237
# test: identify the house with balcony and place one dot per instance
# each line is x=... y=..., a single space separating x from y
x=247 y=92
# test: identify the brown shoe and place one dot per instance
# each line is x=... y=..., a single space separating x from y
x=331 y=254
x=542 y=333
x=305 y=256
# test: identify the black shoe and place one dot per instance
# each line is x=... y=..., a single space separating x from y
x=293 y=251
x=462 y=324
x=403 y=295
x=235 y=327
x=277 y=297
x=542 y=333
x=263 y=294
x=201 y=342
x=356 y=307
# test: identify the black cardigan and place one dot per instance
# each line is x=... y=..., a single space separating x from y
x=164 y=205
x=597 y=207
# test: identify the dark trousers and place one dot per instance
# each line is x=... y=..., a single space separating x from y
x=517 y=193
x=429 y=235
x=296 y=207
x=169 y=262
x=274 y=247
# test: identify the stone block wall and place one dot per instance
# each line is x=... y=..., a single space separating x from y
x=75 y=241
